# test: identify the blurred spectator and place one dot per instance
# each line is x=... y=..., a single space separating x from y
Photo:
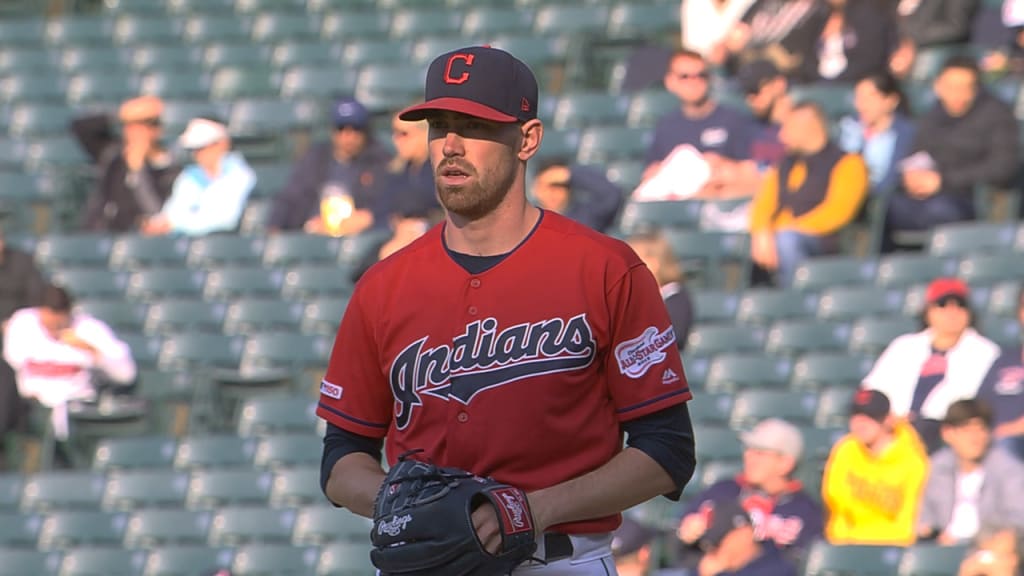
x=783 y=32
x=926 y=23
x=60 y=355
x=656 y=252
x=857 y=40
x=410 y=181
x=1003 y=390
x=707 y=23
x=731 y=546
x=971 y=483
x=333 y=189
x=767 y=94
x=134 y=172
x=997 y=553
x=210 y=194
x=782 y=512
x=631 y=548
x=21 y=286
x=582 y=193
x=923 y=373
x=881 y=132
x=874 y=477
x=1008 y=59
x=968 y=139
x=807 y=199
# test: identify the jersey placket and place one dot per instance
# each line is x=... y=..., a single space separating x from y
x=464 y=438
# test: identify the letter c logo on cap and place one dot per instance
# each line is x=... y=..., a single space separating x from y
x=448 y=78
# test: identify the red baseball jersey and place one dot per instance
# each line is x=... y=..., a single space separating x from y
x=522 y=373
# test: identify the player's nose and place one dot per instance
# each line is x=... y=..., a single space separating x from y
x=453 y=145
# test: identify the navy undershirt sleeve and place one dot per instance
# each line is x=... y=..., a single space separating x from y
x=339 y=443
x=667 y=437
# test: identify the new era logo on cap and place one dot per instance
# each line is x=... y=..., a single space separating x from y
x=480 y=81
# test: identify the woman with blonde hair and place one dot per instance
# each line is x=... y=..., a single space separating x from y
x=656 y=252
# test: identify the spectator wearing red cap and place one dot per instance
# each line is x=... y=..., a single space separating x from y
x=923 y=373
x=1003 y=389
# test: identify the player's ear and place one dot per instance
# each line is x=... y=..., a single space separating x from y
x=531 y=134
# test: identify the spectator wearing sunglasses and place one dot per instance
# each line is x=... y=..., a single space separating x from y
x=925 y=372
x=134 y=171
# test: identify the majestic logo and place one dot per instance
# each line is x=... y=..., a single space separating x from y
x=467 y=58
x=637 y=355
x=513 y=510
x=482 y=357
x=669 y=376
x=330 y=390
x=394 y=526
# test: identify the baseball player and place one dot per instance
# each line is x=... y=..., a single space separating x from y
x=508 y=341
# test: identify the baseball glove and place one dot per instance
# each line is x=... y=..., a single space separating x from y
x=422 y=523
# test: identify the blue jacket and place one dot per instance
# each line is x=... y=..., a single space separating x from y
x=202 y=205
x=595 y=201
x=885 y=176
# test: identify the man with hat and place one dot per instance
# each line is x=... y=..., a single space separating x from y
x=781 y=510
x=874 y=477
x=502 y=328
x=134 y=173
x=210 y=194
x=631 y=547
x=333 y=187
x=731 y=547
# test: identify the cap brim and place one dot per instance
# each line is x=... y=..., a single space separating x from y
x=461 y=105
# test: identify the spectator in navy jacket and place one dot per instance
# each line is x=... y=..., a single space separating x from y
x=732 y=548
x=582 y=193
x=1003 y=390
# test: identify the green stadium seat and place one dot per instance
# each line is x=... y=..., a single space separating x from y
x=93 y=59
x=714 y=306
x=78 y=30
x=73 y=251
x=64 y=530
x=905 y=270
x=425 y=49
x=262 y=315
x=928 y=61
x=259 y=6
x=872 y=335
x=646 y=108
x=796 y=337
x=24 y=88
x=717 y=470
x=289 y=451
x=131 y=252
x=23 y=31
x=932 y=560
x=696 y=369
x=820 y=273
x=11 y=486
x=737 y=371
x=419 y=23
x=214 y=451
x=270 y=415
x=283 y=350
x=25 y=60
x=344 y=559
x=847 y=303
x=271 y=178
x=160 y=58
x=254 y=218
x=173 y=527
x=235 y=82
x=570 y=20
x=489 y=21
x=153 y=488
x=199 y=6
x=753 y=406
x=279 y=559
x=188 y=560
x=323 y=315
x=718 y=338
x=834 y=406
x=826 y=559
x=30 y=120
x=297 y=487
x=145 y=349
x=559 y=144
x=237 y=526
x=163 y=283
x=307 y=283
x=61 y=153
x=642 y=21
x=48 y=491
x=383 y=88
x=132 y=29
x=1004 y=299
x=134 y=453
x=354 y=249
x=215 y=489
x=15 y=562
x=348 y=26
x=966 y=238
x=818 y=441
x=298 y=248
x=1003 y=330
x=298 y=53
x=320 y=6
x=318 y=525
x=818 y=370
x=606 y=143
x=317 y=81
x=983 y=270
x=19 y=530
x=765 y=306
x=202 y=29
x=175 y=84
x=185 y=351
x=190 y=315
x=273 y=27
x=177 y=113
x=238 y=282
x=626 y=174
x=108 y=562
x=225 y=250
x=711 y=408
x=584 y=109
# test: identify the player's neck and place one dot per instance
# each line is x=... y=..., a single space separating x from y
x=497 y=233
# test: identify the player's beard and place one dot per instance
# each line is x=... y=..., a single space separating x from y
x=482 y=191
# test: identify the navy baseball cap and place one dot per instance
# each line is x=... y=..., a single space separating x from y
x=871 y=403
x=350 y=112
x=479 y=81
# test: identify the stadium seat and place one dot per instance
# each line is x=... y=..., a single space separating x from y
x=817 y=274
x=132 y=252
x=298 y=53
x=317 y=81
x=696 y=368
x=19 y=530
x=262 y=315
x=225 y=250
x=234 y=82
x=93 y=59
x=600 y=144
x=120 y=315
x=175 y=85
x=188 y=560
x=289 y=451
x=296 y=487
x=215 y=489
x=73 y=529
x=825 y=559
x=559 y=144
x=270 y=415
x=717 y=470
x=260 y=6
x=796 y=337
x=189 y=315
x=320 y=6
x=752 y=406
x=203 y=29
x=819 y=370
x=376 y=51
x=642 y=21
x=284 y=350
x=60 y=153
x=646 y=108
x=735 y=371
x=588 y=108
x=847 y=303
x=344 y=559
x=639 y=216
x=163 y=283
x=274 y=27
x=78 y=30
x=237 y=526
x=145 y=349
x=489 y=21
x=818 y=441
x=307 y=283
x=131 y=30
x=570 y=20
x=134 y=453
x=25 y=60
x=108 y=562
x=419 y=23
x=966 y=238
x=872 y=335
x=260 y=559
x=932 y=560
x=626 y=174
x=15 y=562
x=717 y=338
x=254 y=218
x=242 y=282
x=1004 y=299
x=711 y=408
x=135 y=489
x=214 y=451
x=383 y=88
x=298 y=248
x=987 y=269
x=760 y=306
x=172 y=527
x=355 y=249
x=26 y=32
x=318 y=525
x=323 y=315
x=24 y=88
x=184 y=351
x=160 y=58
x=714 y=306
x=834 y=406
x=31 y=120
x=48 y=491
x=1003 y=330
x=905 y=270
x=347 y=26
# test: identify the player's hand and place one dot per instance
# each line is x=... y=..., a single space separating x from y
x=692 y=528
x=488 y=531
x=763 y=252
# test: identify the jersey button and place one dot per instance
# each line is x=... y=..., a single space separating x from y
x=475 y=282
x=472 y=310
x=463 y=417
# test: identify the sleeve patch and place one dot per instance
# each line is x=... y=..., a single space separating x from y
x=637 y=355
x=331 y=390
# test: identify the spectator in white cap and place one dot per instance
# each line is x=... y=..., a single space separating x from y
x=210 y=194
x=781 y=511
